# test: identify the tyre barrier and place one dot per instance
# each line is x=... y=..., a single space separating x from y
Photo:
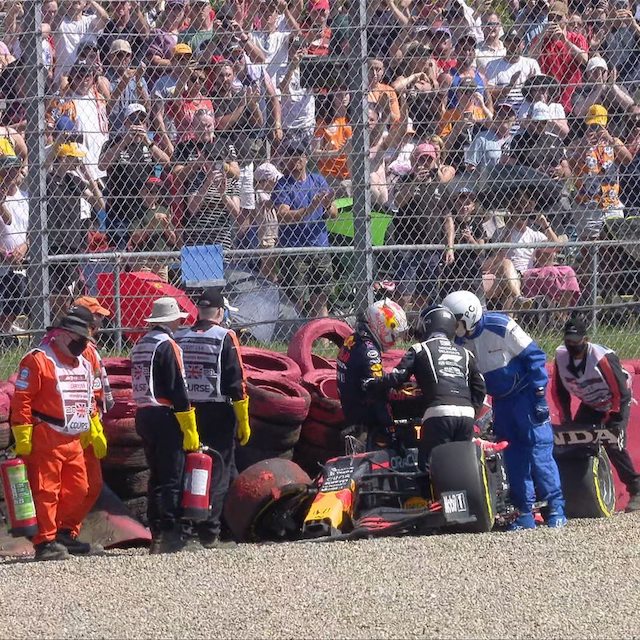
x=117 y=366
x=259 y=361
x=301 y=344
x=121 y=431
x=277 y=399
x=127 y=485
x=5 y=434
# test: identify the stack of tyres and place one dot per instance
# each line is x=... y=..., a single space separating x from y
x=124 y=468
x=278 y=405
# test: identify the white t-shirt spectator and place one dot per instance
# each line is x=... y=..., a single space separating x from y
x=298 y=105
x=522 y=257
x=486 y=54
x=556 y=112
x=67 y=38
x=15 y=234
x=499 y=74
x=275 y=47
x=485 y=150
x=91 y=120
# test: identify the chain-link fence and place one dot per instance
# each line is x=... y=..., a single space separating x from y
x=302 y=151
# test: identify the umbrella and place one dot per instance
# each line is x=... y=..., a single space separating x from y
x=264 y=311
x=503 y=182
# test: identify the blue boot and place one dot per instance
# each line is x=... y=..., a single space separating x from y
x=523 y=521
x=557 y=519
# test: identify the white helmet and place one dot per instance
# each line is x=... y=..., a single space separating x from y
x=467 y=309
x=386 y=320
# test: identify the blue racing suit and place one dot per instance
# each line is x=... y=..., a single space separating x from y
x=513 y=366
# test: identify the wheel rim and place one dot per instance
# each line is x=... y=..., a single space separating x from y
x=605 y=484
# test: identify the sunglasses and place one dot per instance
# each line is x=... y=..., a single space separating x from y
x=493 y=23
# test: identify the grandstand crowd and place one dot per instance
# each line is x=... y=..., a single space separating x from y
x=173 y=122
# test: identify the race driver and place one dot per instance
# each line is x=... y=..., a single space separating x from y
x=593 y=374
x=513 y=366
x=52 y=409
x=360 y=358
x=448 y=376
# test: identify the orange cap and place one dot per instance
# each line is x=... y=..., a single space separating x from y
x=92 y=304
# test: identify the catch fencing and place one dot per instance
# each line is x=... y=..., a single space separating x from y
x=313 y=160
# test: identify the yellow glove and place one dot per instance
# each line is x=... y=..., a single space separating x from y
x=187 y=422
x=241 y=409
x=98 y=439
x=23 y=434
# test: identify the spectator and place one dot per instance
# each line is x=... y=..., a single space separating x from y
x=595 y=160
x=165 y=38
x=266 y=216
x=85 y=106
x=12 y=143
x=89 y=54
x=383 y=28
x=458 y=125
x=486 y=148
x=69 y=184
x=213 y=197
x=14 y=223
x=535 y=147
x=298 y=103
x=331 y=138
x=127 y=23
x=417 y=195
x=303 y=200
x=12 y=90
x=506 y=76
x=622 y=42
x=200 y=24
x=127 y=84
x=545 y=89
x=269 y=45
x=599 y=87
x=465 y=69
x=129 y=157
x=465 y=271
x=532 y=20
x=71 y=26
x=381 y=96
x=531 y=270
x=187 y=99
x=315 y=33
x=492 y=47
x=153 y=232
x=442 y=44
x=561 y=53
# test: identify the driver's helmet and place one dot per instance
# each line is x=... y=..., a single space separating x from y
x=436 y=319
x=387 y=322
x=466 y=308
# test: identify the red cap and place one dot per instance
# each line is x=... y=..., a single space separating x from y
x=319 y=5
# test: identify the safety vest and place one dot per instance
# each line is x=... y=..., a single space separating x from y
x=75 y=386
x=142 y=359
x=590 y=386
x=202 y=362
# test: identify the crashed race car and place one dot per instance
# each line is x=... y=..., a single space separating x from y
x=386 y=492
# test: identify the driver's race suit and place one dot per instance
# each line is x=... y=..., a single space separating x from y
x=452 y=386
x=513 y=366
x=602 y=385
x=360 y=359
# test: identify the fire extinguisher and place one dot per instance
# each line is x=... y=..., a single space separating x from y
x=202 y=470
x=21 y=510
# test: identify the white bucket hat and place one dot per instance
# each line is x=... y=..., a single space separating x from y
x=165 y=310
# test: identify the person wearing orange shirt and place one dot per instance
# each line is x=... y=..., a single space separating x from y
x=51 y=411
x=382 y=96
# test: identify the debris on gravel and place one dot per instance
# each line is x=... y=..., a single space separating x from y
x=582 y=581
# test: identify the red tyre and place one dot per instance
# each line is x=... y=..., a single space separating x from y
x=121 y=431
x=259 y=360
x=127 y=484
x=117 y=366
x=311 y=458
x=253 y=489
x=301 y=345
x=278 y=399
x=322 y=382
x=121 y=410
x=5 y=434
x=321 y=364
x=120 y=382
x=127 y=457
x=5 y=406
x=322 y=435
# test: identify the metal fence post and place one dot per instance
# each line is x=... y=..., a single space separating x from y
x=31 y=45
x=118 y=301
x=359 y=156
x=594 y=287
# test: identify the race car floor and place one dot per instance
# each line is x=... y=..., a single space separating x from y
x=583 y=581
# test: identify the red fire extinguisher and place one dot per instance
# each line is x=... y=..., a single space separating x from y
x=21 y=510
x=200 y=473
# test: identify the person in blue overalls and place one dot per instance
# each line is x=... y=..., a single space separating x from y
x=514 y=369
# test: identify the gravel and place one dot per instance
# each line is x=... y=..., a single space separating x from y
x=582 y=581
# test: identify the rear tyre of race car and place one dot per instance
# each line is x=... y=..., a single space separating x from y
x=588 y=485
x=254 y=489
x=461 y=466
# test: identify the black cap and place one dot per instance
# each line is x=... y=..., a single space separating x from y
x=513 y=34
x=83 y=313
x=296 y=148
x=211 y=298
x=576 y=328
x=74 y=323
